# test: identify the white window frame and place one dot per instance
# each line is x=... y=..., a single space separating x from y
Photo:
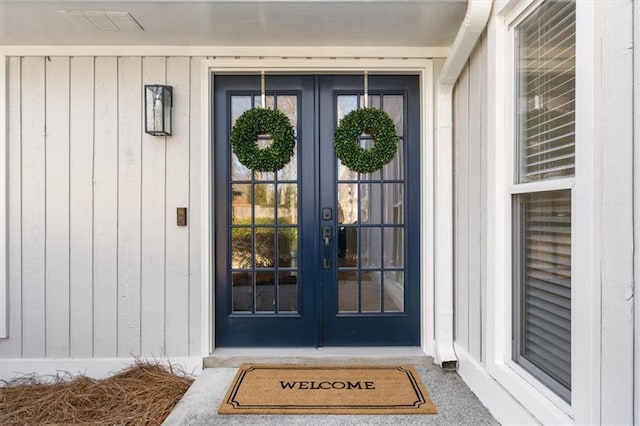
x=543 y=403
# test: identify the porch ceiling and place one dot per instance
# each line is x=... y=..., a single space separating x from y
x=412 y=23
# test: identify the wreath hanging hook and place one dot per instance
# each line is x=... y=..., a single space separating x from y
x=263 y=96
x=366 y=89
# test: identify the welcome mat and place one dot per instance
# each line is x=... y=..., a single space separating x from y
x=296 y=389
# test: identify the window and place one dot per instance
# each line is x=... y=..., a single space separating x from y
x=542 y=193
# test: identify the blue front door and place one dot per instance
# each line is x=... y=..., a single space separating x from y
x=316 y=254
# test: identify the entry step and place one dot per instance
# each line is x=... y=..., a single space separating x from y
x=234 y=357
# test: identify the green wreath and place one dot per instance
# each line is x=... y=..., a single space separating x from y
x=371 y=121
x=261 y=121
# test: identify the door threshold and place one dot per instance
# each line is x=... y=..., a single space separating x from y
x=234 y=357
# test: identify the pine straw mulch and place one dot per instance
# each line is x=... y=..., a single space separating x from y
x=144 y=393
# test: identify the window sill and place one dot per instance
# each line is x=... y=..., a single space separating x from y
x=546 y=406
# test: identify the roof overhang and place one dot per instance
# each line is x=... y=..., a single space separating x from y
x=406 y=23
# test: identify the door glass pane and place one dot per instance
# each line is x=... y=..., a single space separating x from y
x=241 y=244
x=367 y=142
x=290 y=170
x=394 y=169
x=262 y=142
x=288 y=203
x=374 y=101
x=347 y=203
x=370 y=284
x=288 y=291
x=257 y=101
x=265 y=247
x=265 y=292
x=264 y=199
x=370 y=247
x=394 y=247
x=241 y=204
x=370 y=203
x=346 y=104
x=345 y=173
x=348 y=291
x=264 y=175
x=393 y=106
x=288 y=247
x=288 y=104
x=393 y=212
x=239 y=171
x=239 y=104
x=370 y=176
x=242 y=293
x=347 y=246
x=394 y=291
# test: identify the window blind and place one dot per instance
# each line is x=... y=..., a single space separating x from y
x=545 y=251
x=546 y=91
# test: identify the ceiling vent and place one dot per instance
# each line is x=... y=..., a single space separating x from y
x=103 y=21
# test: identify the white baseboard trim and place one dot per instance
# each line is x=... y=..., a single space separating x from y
x=91 y=367
x=501 y=404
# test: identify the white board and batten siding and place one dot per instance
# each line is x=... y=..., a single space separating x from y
x=617 y=269
x=603 y=227
x=470 y=189
x=98 y=269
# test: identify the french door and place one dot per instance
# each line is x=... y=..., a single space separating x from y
x=316 y=254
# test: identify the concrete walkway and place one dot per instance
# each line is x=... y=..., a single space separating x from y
x=456 y=404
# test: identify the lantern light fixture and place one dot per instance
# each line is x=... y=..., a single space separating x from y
x=157 y=109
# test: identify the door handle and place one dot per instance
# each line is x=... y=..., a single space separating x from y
x=327 y=232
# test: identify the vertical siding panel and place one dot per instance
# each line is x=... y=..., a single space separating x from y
x=57 y=207
x=153 y=226
x=615 y=147
x=484 y=80
x=129 y=189
x=33 y=207
x=456 y=211
x=81 y=206
x=462 y=223
x=428 y=217
x=105 y=227
x=177 y=249
x=475 y=118
x=195 y=225
x=12 y=347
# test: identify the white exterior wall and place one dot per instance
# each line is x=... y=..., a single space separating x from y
x=616 y=183
x=604 y=330
x=636 y=205
x=98 y=271
x=470 y=189
x=98 y=268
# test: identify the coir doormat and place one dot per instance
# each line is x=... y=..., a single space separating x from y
x=296 y=389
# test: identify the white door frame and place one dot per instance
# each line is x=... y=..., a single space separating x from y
x=421 y=67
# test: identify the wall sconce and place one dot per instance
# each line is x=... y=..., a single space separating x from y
x=157 y=109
